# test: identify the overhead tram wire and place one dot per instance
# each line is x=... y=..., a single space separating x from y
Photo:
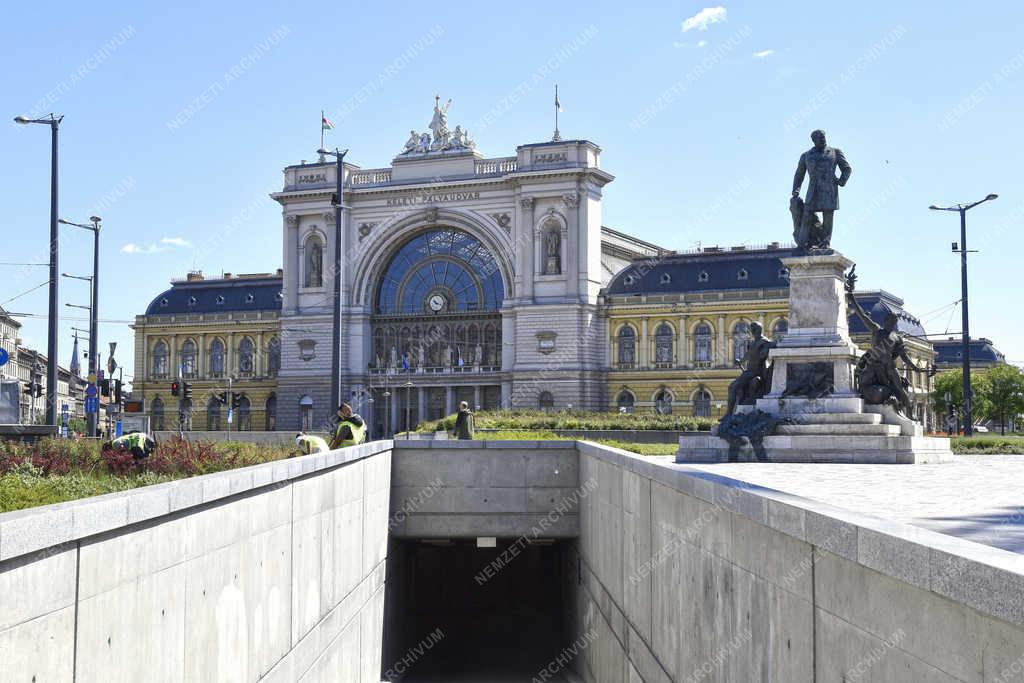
x=29 y=291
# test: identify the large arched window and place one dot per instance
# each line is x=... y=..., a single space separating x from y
x=625 y=401
x=160 y=359
x=702 y=404
x=244 y=414
x=273 y=357
x=156 y=414
x=740 y=340
x=546 y=400
x=314 y=275
x=664 y=338
x=213 y=414
x=702 y=345
x=663 y=402
x=443 y=270
x=217 y=358
x=188 y=359
x=627 y=346
x=271 y=413
x=246 y=357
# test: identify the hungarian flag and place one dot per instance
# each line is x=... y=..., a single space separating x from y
x=327 y=123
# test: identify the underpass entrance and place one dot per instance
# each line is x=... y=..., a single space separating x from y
x=459 y=612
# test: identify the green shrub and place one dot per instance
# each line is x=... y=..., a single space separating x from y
x=576 y=419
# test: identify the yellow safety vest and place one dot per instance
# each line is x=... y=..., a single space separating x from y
x=311 y=444
x=358 y=434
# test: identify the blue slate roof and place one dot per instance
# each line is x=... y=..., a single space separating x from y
x=704 y=271
x=742 y=269
x=982 y=351
x=244 y=293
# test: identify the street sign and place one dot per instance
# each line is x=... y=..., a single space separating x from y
x=4 y=356
x=92 y=404
x=231 y=414
x=90 y=391
x=91 y=379
x=118 y=428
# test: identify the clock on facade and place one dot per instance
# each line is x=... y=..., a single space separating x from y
x=436 y=303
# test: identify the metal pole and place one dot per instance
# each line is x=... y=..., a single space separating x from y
x=93 y=319
x=51 y=342
x=968 y=394
x=336 y=331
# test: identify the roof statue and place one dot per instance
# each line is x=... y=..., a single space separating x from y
x=440 y=138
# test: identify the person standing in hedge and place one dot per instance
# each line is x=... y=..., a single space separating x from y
x=464 y=423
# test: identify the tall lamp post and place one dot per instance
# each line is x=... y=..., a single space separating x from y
x=966 y=332
x=51 y=340
x=336 y=310
x=94 y=330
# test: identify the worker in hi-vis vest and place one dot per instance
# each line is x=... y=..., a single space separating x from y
x=138 y=444
x=351 y=428
x=309 y=443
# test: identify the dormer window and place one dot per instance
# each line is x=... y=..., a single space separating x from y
x=742 y=275
x=665 y=278
x=628 y=280
x=164 y=302
x=783 y=273
x=249 y=298
x=192 y=301
x=220 y=299
x=280 y=295
x=704 y=276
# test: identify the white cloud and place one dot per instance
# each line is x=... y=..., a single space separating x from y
x=764 y=53
x=176 y=241
x=704 y=18
x=701 y=43
x=137 y=249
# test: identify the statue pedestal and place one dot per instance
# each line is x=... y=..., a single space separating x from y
x=813 y=390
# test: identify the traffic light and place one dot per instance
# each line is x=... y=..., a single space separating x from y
x=222 y=397
x=34 y=389
x=175 y=388
x=186 y=391
x=117 y=391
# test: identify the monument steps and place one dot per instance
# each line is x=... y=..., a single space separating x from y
x=839 y=429
x=837 y=418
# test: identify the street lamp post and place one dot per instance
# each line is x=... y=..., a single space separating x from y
x=94 y=226
x=51 y=339
x=962 y=209
x=336 y=310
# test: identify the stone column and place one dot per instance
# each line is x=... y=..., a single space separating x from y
x=570 y=244
x=476 y=397
x=291 y=262
x=644 y=355
x=448 y=392
x=683 y=353
x=201 y=369
x=722 y=351
x=527 y=239
x=397 y=410
x=421 y=403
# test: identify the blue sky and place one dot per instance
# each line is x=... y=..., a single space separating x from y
x=180 y=117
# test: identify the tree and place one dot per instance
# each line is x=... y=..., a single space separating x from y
x=952 y=382
x=1004 y=394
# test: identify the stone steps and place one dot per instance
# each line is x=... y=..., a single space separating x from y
x=839 y=429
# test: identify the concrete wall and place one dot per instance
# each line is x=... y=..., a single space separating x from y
x=271 y=573
x=460 y=489
x=686 y=576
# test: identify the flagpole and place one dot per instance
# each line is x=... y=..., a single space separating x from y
x=557 y=136
x=321 y=134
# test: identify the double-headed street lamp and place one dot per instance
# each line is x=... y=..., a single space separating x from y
x=336 y=311
x=94 y=226
x=51 y=341
x=966 y=330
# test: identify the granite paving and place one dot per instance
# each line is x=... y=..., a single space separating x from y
x=979 y=498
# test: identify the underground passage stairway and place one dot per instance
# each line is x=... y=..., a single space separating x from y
x=462 y=614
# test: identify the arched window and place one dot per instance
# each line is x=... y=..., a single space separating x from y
x=271 y=413
x=306 y=413
x=246 y=357
x=185 y=414
x=663 y=402
x=780 y=329
x=625 y=401
x=627 y=346
x=273 y=357
x=217 y=358
x=213 y=414
x=160 y=359
x=664 y=338
x=314 y=276
x=156 y=414
x=702 y=345
x=546 y=401
x=702 y=404
x=188 y=359
x=740 y=340
x=244 y=414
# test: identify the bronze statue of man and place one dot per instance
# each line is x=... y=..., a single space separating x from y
x=819 y=164
x=755 y=380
